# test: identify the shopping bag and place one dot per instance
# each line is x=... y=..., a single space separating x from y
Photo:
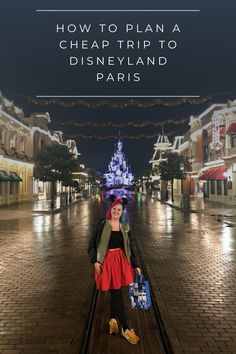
x=139 y=293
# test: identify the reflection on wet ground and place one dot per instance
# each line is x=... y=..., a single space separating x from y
x=191 y=263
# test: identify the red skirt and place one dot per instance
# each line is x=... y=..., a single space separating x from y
x=117 y=271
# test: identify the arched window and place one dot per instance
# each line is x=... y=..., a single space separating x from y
x=13 y=139
x=38 y=143
x=22 y=142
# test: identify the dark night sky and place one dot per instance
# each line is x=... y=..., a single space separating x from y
x=203 y=64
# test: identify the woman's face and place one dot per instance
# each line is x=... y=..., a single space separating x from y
x=116 y=212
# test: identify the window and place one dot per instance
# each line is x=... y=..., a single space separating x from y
x=225 y=187
x=233 y=141
x=12 y=185
x=219 y=187
x=2 y=135
x=205 y=153
x=13 y=138
x=212 y=187
x=40 y=187
x=22 y=143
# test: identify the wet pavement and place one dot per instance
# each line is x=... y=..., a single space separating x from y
x=191 y=262
x=47 y=282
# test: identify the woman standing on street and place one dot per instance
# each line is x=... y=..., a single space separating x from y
x=111 y=250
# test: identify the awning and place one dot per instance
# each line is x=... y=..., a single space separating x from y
x=206 y=175
x=4 y=177
x=15 y=177
x=216 y=173
x=231 y=129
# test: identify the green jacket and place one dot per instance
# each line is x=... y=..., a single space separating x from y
x=105 y=237
x=99 y=241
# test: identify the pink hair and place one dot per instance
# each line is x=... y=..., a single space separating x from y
x=116 y=202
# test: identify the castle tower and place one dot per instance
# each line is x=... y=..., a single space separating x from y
x=118 y=173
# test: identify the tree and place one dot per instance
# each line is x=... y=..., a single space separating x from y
x=55 y=163
x=170 y=168
x=93 y=175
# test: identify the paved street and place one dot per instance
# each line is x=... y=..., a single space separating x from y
x=191 y=262
x=47 y=282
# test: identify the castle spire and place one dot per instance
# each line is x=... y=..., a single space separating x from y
x=119 y=174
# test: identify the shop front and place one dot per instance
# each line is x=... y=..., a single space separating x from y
x=15 y=181
x=215 y=184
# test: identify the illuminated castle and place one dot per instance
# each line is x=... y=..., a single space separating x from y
x=119 y=173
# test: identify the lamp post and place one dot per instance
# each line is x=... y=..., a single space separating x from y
x=185 y=196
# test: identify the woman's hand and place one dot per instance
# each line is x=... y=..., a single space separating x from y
x=137 y=271
x=98 y=267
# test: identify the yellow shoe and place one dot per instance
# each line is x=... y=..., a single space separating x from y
x=113 y=326
x=130 y=335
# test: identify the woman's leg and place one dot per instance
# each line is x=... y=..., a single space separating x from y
x=117 y=307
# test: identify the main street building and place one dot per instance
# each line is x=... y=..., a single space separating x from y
x=16 y=155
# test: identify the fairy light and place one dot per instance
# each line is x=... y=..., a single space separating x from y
x=127 y=136
x=119 y=105
x=127 y=124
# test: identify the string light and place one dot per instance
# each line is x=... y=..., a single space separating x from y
x=127 y=136
x=118 y=105
x=121 y=125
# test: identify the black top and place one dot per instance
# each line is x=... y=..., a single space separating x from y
x=116 y=240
